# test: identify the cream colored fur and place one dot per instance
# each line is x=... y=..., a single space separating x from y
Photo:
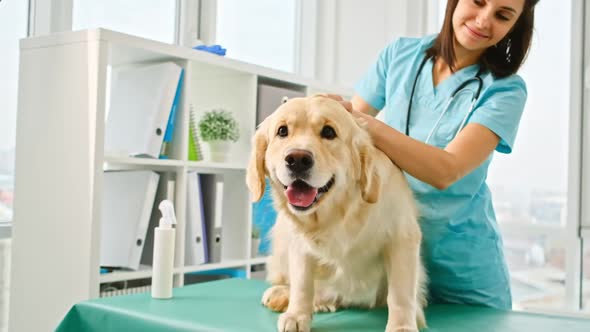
x=359 y=244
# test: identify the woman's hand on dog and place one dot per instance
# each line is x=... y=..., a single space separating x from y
x=346 y=104
x=367 y=119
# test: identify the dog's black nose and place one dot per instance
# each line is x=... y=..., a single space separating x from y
x=299 y=161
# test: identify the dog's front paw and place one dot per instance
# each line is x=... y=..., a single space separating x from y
x=397 y=328
x=402 y=320
x=276 y=298
x=324 y=305
x=294 y=322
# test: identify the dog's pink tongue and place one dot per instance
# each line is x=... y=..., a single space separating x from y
x=301 y=196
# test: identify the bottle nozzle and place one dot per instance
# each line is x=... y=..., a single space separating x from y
x=168 y=217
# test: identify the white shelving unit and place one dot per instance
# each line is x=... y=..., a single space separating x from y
x=60 y=159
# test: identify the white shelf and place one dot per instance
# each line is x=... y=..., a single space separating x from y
x=258 y=260
x=126 y=163
x=66 y=76
x=213 y=266
x=146 y=271
x=215 y=167
x=206 y=167
x=132 y=49
x=143 y=272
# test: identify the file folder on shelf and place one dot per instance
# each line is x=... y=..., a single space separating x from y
x=213 y=204
x=141 y=99
x=128 y=198
x=270 y=97
x=196 y=231
x=166 y=190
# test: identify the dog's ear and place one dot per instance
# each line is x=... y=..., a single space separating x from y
x=369 y=179
x=255 y=174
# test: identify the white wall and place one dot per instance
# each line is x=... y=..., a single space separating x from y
x=351 y=33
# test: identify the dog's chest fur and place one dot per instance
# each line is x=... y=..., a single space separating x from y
x=350 y=262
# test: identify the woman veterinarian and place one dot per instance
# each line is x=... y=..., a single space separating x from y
x=448 y=101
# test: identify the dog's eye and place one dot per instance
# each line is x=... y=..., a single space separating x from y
x=328 y=132
x=283 y=131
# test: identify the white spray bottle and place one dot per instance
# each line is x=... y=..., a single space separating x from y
x=163 y=260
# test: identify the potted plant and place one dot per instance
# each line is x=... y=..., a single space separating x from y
x=218 y=129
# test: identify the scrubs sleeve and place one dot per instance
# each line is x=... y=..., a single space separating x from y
x=500 y=109
x=372 y=86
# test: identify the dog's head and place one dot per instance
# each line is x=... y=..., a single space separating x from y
x=313 y=150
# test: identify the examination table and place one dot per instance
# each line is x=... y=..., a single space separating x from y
x=234 y=305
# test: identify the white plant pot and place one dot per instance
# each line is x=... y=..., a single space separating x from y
x=219 y=150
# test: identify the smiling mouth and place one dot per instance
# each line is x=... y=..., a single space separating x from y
x=475 y=33
x=302 y=196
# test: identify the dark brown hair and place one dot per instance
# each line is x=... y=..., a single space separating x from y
x=503 y=59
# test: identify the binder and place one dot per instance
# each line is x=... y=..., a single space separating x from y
x=196 y=251
x=270 y=97
x=169 y=134
x=128 y=198
x=141 y=99
x=213 y=203
x=166 y=190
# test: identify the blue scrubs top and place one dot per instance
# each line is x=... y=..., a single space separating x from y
x=462 y=247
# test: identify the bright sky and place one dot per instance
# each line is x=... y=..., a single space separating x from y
x=13 y=25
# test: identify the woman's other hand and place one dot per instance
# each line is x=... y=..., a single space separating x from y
x=347 y=104
x=367 y=121
x=357 y=103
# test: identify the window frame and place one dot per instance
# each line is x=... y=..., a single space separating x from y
x=578 y=180
x=6 y=224
x=582 y=9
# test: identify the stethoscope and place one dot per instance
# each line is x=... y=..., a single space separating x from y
x=457 y=91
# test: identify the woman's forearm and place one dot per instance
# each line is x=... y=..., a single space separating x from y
x=425 y=162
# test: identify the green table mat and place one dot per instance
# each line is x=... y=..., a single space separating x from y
x=234 y=305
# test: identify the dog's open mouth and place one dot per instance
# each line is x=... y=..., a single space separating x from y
x=302 y=196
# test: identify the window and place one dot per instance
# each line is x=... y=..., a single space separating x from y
x=153 y=19
x=586 y=277
x=13 y=26
x=262 y=32
x=531 y=207
x=258 y=31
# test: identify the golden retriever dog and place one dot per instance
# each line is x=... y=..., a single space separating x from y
x=346 y=233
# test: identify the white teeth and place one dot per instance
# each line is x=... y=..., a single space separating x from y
x=318 y=196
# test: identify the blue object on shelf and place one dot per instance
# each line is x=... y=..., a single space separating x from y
x=264 y=216
x=215 y=49
x=232 y=273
